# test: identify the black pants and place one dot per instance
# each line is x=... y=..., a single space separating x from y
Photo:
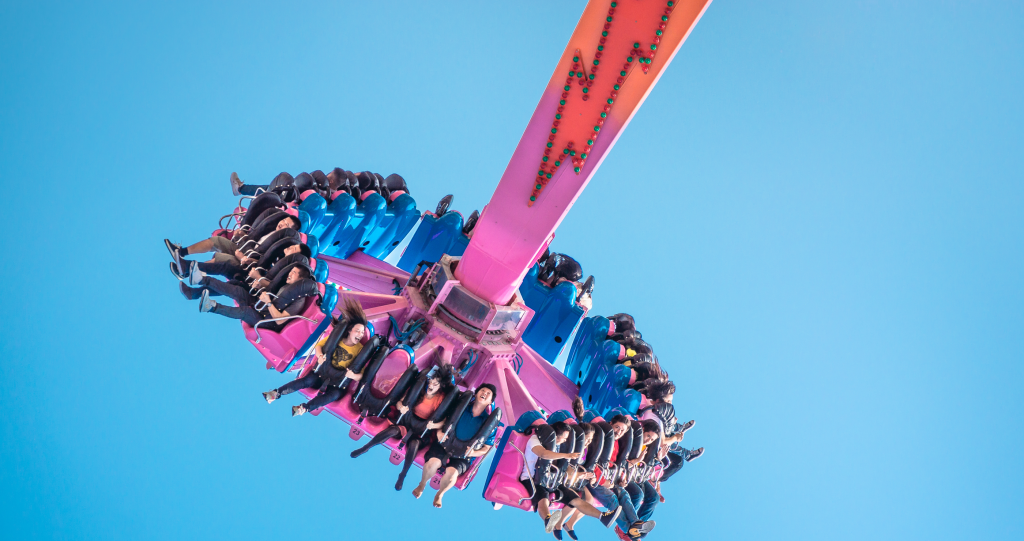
x=237 y=293
x=313 y=381
x=227 y=269
x=675 y=463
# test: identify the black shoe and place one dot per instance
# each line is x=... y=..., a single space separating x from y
x=398 y=484
x=175 y=272
x=572 y=534
x=686 y=426
x=693 y=455
x=608 y=518
x=175 y=251
x=188 y=292
x=358 y=452
x=172 y=248
x=557 y=534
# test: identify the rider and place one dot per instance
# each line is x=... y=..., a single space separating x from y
x=225 y=250
x=642 y=493
x=536 y=451
x=327 y=376
x=465 y=428
x=299 y=278
x=416 y=417
x=609 y=493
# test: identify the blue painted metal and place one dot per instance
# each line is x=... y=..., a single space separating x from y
x=321 y=271
x=590 y=337
x=556 y=314
x=434 y=238
x=349 y=238
x=336 y=216
x=316 y=207
x=399 y=218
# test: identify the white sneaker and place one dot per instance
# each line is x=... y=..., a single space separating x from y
x=195 y=276
x=236 y=184
x=553 y=519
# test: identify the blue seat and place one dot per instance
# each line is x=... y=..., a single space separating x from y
x=336 y=216
x=434 y=238
x=349 y=238
x=316 y=207
x=556 y=314
x=321 y=271
x=590 y=338
x=399 y=218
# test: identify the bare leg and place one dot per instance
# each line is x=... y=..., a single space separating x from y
x=585 y=508
x=567 y=517
x=571 y=524
x=542 y=509
x=201 y=247
x=429 y=469
x=447 y=482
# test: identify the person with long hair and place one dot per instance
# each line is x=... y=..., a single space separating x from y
x=327 y=376
x=416 y=418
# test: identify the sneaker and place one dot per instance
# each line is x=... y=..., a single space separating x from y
x=206 y=304
x=686 y=426
x=693 y=455
x=608 y=517
x=195 y=276
x=298 y=410
x=175 y=251
x=557 y=534
x=622 y=535
x=572 y=534
x=187 y=292
x=640 y=528
x=553 y=519
x=174 y=271
x=271 y=396
x=236 y=184
x=172 y=248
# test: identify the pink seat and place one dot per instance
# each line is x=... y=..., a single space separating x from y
x=395 y=364
x=278 y=348
x=505 y=487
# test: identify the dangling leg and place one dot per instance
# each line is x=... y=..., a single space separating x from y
x=411 y=448
x=380 y=438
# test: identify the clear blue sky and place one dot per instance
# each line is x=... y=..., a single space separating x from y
x=815 y=218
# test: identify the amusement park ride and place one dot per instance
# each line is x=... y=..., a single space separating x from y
x=472 y=292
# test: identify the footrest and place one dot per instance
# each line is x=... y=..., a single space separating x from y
x=435 y=481
x=397 y=457
x=355 y=432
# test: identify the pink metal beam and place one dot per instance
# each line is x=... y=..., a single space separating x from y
x=614 y=58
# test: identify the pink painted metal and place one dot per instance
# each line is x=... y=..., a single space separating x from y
x=511 y=233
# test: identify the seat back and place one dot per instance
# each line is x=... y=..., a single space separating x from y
x=339 y=211
x=399 y=218
x=434 y=238
x=390 y=371
x=349 y=238
x=280 y=348
x=556 y=314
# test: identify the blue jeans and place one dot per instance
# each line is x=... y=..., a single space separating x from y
x=644 y=497
x=611 y=499
x=675 y=463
